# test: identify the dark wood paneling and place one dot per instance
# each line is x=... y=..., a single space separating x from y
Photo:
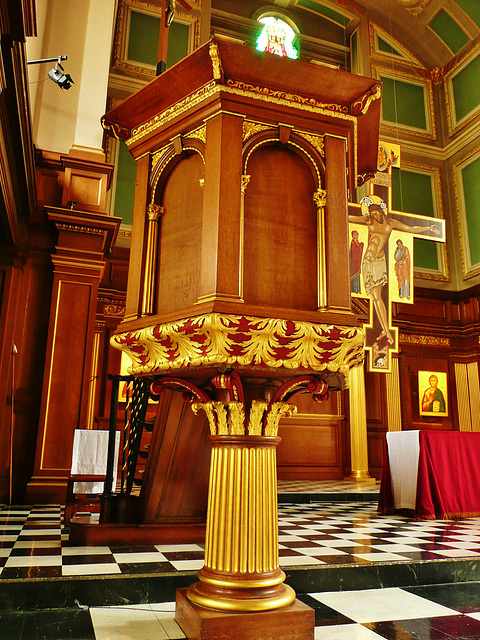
x=310 y=451
x=64 y=384
x=280 y=263
x=175 y=483
x=180 y=236
x=375 y=445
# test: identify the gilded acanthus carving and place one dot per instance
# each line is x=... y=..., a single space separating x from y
x=154 y=211
x=216 y=62
x=245 y=181
x=198 y=134
x=320 y=197
x=229 y=417
x=252 y=128
x=216 y=339
x=317 y=142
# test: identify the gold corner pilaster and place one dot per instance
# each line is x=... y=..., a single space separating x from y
x=154 y=212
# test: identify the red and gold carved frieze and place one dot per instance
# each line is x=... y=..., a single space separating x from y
x=215 y=339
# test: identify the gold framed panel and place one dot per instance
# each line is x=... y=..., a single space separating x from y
x=443 y=273
x=450 y=15
x=407 y=57
x=111 y=149
x=455 y=125
x=469 y=269
x=433 y=393
x=144 y=71
x=430 y=132
x=340 y=8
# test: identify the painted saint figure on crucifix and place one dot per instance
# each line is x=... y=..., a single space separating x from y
x=374 y=264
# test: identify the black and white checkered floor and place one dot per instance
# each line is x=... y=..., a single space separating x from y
x=34 y=547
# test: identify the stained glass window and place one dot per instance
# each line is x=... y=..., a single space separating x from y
x=277 y=37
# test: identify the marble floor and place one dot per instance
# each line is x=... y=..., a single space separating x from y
x=34 y=543
x=347 y=540
x=439 y=612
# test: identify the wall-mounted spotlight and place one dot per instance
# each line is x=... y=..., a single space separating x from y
x=57 y=74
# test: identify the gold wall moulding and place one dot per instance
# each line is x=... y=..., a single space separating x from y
x=114 y=310
x=431 y=341
x=285 y=97
x=414 y=6
x=216 y=339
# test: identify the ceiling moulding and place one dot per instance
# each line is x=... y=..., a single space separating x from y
x=414 y=6
x=404 y=56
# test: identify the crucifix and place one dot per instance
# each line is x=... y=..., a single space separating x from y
x=166 y=19
x=381 y=266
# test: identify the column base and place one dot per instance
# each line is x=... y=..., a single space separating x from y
x=294 y=622
x=361 y=476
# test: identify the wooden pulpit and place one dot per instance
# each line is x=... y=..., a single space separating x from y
x=239 y=293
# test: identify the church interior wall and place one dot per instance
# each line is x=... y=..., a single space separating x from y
x=440 y=331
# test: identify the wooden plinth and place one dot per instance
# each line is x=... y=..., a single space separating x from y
x=294 y=622
x=85 y=532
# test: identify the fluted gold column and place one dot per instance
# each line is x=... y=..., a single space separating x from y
x=241 y=571
x=320 y=199
x=394 y=410
x=358 y=426
x=154 y=212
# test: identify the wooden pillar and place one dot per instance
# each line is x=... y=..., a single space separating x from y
x=358 y=427
x=222 y=207
x=83 y=240
x=336 y=225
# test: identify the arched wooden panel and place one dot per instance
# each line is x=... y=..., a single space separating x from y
x=280 y=250
x=180 y=236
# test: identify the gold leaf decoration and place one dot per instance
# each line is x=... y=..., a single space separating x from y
x=217 y=339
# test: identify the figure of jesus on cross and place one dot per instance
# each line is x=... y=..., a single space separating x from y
x=380 y=337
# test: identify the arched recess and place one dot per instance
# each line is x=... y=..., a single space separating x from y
x=280 y=226
x=179 y=191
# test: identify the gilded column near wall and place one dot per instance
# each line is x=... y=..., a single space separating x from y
x=358 y=426
x=154 y=212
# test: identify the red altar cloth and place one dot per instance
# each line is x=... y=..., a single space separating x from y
x=448 y=481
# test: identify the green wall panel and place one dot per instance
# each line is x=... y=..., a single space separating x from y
x=472 y=9
x=143 y=38
x=403 y=103
x=413 y=193
x=466 y=88
x=387 y=48
x=471 y=189
x=144 y=35
x=449 y=31
x=177 y=43
x=322 y=10
x=125 y=190
x=354 y=52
